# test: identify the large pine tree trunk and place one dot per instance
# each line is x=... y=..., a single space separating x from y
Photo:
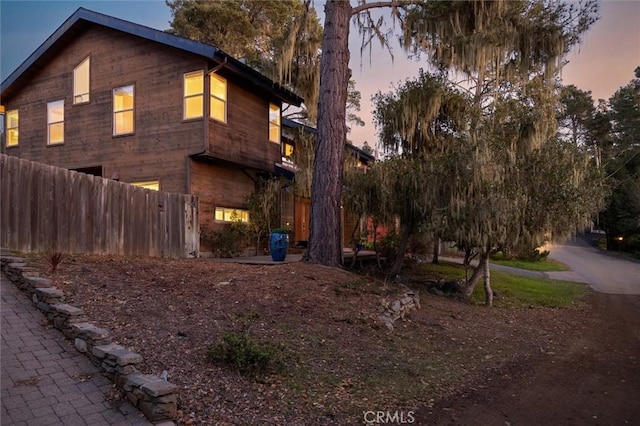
x=325 y=239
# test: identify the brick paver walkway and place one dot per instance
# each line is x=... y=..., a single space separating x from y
x=44 y=380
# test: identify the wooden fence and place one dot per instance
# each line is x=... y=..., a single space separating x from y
x=48 y=208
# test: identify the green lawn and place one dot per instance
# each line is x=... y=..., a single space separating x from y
x=540 y=265
x=514 y=290
x=518 y=290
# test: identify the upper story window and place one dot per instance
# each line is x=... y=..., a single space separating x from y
x=55 y=122
x=81 y=82
x=123 y=108
x=218 y=97
x=193 y=94
x=274 y=123
x=12 y=127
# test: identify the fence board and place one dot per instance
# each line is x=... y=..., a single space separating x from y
x=34 y=213
x=154 y=220
x=45 y=198
x=176 y=221
x=22 y=201
x=162 y=224
x=72 y=212
x=45 y=208
x=138 y=221
x=4 y=205
x=191 y=218
x=14 y=201
x=60 y=208
x=120 y=209
x=127 y=219
x=97 y=225
x=5 y=209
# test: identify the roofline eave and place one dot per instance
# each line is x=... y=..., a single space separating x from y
x=195 y=47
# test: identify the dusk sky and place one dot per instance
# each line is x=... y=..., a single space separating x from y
x=603 y=63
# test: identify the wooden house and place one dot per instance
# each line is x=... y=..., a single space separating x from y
x=296 y=206
x=123 y=101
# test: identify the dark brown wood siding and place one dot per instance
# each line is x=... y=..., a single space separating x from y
x=244 y=138
x=219 y=186
x=162 y=143
x=158 y=149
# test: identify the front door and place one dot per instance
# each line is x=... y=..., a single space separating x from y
x=302 y=211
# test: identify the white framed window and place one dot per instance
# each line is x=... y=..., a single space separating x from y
x=123 y=110
x=218 y=98
x=55 y=122
x=81 y=82
x=226 y=214
x=193 y=95
x=153 y=185
x=274 y=123
x=12 y=122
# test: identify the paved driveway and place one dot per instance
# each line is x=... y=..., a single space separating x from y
x=604 y=272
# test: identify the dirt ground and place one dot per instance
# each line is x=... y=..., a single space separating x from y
x=594 y=381
x=446 y=363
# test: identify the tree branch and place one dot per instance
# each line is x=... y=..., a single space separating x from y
x=379 y=4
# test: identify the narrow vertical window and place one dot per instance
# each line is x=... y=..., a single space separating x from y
x=218 y=97
x=12 y=127
x=123 y=108
x=274 y=123
x=193 y=94
x=55 y=122
x=81 y=82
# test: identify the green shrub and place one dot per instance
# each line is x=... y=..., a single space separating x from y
x=602 y=243
x=280 y=231
x=534 y=255
x=229 y=241
x=238 y=350
x=632 y=243
x=388 y=246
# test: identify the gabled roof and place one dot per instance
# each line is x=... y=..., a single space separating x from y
x=83 y=18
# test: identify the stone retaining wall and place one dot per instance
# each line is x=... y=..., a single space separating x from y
x=155 y=397
x=390 y=312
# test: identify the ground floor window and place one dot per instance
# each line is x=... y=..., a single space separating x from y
x=153 y=185
x=226 y=214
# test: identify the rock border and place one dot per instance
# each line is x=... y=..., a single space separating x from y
x=154 y=396
x=390 y=312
